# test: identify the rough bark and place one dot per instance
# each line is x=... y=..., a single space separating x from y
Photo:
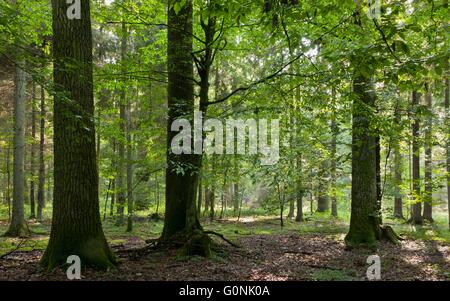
x=181 y=188
x=76 y=226
x=364 y=224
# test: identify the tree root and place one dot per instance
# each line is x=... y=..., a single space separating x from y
x=196 y=243
x=389 y=234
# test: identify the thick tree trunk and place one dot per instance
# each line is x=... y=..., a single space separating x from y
x=416 y=208
x=32 y=152
x=76 y=224
x=18 y=226
x=291 y=209
x=364 y=222
x=181 y=188
x=428 y=193
x=41 y=179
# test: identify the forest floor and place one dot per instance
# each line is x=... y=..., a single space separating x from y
x=313 y=250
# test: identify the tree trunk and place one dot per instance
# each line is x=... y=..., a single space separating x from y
x=398 y=202
x=18 y=226
x=200 y=196
x=334 y=132
x=447 y=113
x=41 y=180
x=8 y=180
x=323 y=202
x=300 y=190
x=181 y=188
x=416 y=208
x=428 y=193
x=32 y=151
x=122 y=167
x=364 y=224
x=129 y=170
x=76 y=225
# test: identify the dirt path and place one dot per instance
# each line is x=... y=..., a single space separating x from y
x=262 y=257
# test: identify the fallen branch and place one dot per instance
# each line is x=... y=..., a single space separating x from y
x=19 y=245
x=222 y=237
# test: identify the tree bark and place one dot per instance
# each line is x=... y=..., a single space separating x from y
x=364 y=224
x=41 y=180
x=181 y=188
x=32 y=152
x=76 y=225
x=416 y=208
x=18 y=226
x=428 y=193
x=398 y=201
x=122 y=167
x=447 y=109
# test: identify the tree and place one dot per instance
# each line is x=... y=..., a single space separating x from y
x=76 y=227
x=428 y=193
x=41 y=178
x=18 y=226
x=416 y=208
x=32 y=151
x=182 y=170
x=398 y=201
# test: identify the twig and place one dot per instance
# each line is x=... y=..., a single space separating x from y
x=19 y=245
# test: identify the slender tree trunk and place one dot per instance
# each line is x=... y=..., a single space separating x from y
x=129 y=170
x=447 y=108
x=299 y=190
x=32 y=152
x=200 y=196
x=416 y=208
x=18 y=226
x=8 y=180
x=428 y=193
x=122 y=167
x=76 y=224
x=398 y=202
x=323 y=202
x=41 y=179
x=334 y=132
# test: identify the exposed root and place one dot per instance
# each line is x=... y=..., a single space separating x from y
x=389 y=234
x=222 y=237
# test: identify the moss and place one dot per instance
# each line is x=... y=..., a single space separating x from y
x=18 y=230
x=93 y=253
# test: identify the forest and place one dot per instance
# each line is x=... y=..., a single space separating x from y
x=224 y=140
